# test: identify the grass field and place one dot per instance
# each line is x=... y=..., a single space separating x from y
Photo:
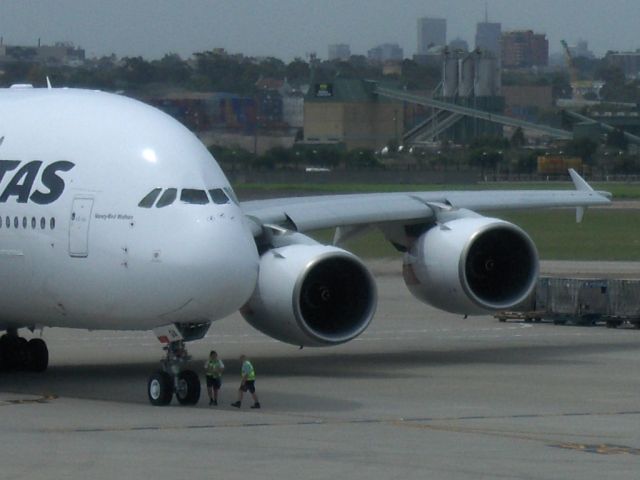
x=603 y=235
x=620 y=191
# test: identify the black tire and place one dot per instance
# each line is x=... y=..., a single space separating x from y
x=37 y=355
x=160 y=389
x=188 y=390
x=14 y=352
x=5 y=349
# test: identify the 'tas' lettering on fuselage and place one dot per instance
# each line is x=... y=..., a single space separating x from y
x=21 y=184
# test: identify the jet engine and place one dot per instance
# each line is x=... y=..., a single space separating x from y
x=311 y=295
x=472 y=265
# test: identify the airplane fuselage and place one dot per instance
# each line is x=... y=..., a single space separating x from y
x=114 y=216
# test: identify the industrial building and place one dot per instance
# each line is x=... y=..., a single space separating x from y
x=348 y=112
x=61 y=53
x=276 y=106
x=458 y=44
x=469 y=103
x=527 y=101
x=433 y=57
x=471 y=81
x=628 y=62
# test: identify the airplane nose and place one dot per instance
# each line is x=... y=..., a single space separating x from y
x=233 y=260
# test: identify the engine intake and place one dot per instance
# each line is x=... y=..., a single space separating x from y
x=472 y=265
x=311 y=295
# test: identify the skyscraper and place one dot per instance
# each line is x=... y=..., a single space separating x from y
x=431 y=32
x=488 y=37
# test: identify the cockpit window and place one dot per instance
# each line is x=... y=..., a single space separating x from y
x=218 y=196
x=150 y=198
x=231 y=194
x=196 y=197
x=167 y=198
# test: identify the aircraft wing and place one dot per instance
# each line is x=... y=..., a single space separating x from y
x=310 y=213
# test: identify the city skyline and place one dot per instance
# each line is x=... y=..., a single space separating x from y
x=287 y=29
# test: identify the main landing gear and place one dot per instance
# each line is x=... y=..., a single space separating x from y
x=16 y=353
x=173 y=378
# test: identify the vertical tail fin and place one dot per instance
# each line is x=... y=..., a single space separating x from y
x=582 y=186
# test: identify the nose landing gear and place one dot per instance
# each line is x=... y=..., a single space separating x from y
x=172 y=378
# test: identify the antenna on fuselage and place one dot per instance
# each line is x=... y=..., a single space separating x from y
x=49 y=83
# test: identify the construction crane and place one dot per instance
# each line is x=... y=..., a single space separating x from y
x=573 y=72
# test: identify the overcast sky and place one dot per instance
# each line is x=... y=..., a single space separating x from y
x=290 y=28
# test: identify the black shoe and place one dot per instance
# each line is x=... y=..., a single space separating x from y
x=211 y=402
x=214 y=403
x=256 y=405
x=236 y=404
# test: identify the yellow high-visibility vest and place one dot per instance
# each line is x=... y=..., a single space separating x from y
x=212 y=366
x=248 y=371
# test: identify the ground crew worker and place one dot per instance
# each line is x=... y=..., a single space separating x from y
x=213 y=369
x=247 y=383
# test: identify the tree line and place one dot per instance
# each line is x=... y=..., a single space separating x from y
x=204 y=71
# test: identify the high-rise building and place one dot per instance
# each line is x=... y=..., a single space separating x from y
x=431 y=32
x=524 y=49
x=488 y=35
x=385 y=53
x=339 y=51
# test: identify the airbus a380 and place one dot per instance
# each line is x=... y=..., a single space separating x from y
x=114 y=216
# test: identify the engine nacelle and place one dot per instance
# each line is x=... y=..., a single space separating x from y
x=472 y=265
x=311 y=295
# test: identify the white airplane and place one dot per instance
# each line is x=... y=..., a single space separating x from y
x=114 y=216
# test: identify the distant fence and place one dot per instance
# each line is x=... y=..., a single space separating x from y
x=408 y=177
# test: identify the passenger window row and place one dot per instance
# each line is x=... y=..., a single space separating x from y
x=219 y=196
x=16 y=224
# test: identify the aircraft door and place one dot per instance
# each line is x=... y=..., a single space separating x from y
x=79 y=226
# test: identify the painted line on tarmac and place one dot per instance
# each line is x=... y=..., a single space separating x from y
x=539 y=437
x=424 y=423
x=26 y=401
x=600 y=449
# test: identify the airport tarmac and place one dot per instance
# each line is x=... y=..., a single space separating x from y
x=421 y=394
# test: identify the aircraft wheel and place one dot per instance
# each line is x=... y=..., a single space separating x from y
x=37 y=355
x=13 y=352
x=160 y=389
x=188 y=390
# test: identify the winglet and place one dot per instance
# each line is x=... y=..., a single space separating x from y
x=579 y=182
